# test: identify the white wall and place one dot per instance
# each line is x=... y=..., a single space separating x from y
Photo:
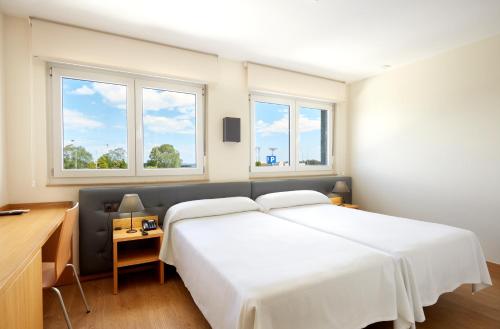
x=425 y=141
x=27 y=110
x=3 y=151
x=26 y=140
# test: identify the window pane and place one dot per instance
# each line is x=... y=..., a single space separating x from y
x=313 y=136
x=272 y=134
x=169 y=121
x=94 y=125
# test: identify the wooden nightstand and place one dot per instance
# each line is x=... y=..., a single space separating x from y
x=134 y=249
x=348 y=205
x=336 y=200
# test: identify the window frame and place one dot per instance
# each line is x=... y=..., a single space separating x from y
x=58 y=74
x=294 y=104
x=133 y=83
x=199 y=125
x=258 y=98
x=329 y=144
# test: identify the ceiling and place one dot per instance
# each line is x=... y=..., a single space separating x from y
x=341 y=39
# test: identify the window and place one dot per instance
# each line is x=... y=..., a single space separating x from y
x=98 y=129
x=290 y=135
x=313 y=136
x=171 y=128
x=272 y=133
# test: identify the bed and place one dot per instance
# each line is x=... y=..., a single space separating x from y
x=249 y=270
x=433 y=258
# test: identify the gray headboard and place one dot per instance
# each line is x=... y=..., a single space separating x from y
x=96 y=247
x=95 y=224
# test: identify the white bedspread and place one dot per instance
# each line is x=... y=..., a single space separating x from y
x=434 y=258
x=250 y=270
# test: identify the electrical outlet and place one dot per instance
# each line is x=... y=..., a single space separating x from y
x=111 y=206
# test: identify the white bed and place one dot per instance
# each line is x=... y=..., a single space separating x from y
x=249 y=270
x=434 y=258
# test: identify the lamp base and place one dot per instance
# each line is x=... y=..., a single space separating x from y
x=131 y=231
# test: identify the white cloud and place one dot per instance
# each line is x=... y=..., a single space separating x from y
x=306 y=124
x=280 y=126
x=83 y=90
x=164 y=125
x=77 y=120
x=155 y=100
x=113 y=95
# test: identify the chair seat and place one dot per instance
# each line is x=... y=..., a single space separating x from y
x=48 y=274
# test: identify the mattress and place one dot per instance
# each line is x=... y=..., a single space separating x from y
x=433 y=258
x=250 y=270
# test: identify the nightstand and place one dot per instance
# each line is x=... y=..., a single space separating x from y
x=134 y=248
x=336 y=200
x=348 y=205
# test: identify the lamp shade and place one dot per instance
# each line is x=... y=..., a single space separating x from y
x=341 y=187
x=131 y=203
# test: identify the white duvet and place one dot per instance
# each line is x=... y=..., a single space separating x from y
x=434 y=258
x=250 y=270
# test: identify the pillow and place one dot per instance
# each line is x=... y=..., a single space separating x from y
x=200 y=208
x=210 y=207
x=291 y=199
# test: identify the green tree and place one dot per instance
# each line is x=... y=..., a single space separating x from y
x=114 y=159
x=164 y=156
x=77 y=157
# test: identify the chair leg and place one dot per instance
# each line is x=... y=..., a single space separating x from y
x=80 y=287
x=66 y=316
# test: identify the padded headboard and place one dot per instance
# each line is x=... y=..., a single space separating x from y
x=320 y=184
x=96 y=246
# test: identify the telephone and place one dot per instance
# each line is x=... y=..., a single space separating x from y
x=149 y=224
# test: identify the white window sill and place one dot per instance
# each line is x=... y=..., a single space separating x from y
x=291 y=174
x=136 y=180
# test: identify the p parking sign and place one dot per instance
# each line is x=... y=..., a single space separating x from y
x=271 y=159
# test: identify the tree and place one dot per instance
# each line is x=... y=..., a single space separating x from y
x=77 y=157
x=164 y=156
x=114 y=159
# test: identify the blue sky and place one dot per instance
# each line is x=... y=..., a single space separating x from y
x=310 y=134
x=170 y=118
x=272 y=125
x=95 y=117
x=272 y=130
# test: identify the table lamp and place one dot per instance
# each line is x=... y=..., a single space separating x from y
x=340 y=187
x=131 y=203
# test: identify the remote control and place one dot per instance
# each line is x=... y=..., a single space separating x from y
x=13 y=212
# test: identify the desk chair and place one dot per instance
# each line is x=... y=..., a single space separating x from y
x=53 y=270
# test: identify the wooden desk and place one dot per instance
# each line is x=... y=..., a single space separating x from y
x=21 y=241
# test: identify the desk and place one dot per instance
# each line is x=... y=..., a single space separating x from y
x=21 y=241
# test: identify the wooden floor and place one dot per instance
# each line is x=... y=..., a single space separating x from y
x=142 y=303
